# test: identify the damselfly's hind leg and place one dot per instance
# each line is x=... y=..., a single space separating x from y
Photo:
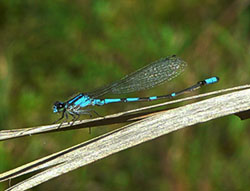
x=84 y=112
x=88 y=111
x=96 y=113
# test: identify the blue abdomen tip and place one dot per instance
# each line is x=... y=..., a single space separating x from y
x=212 y=80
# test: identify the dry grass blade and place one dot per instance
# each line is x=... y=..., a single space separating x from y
x=128 y=136
x=122 y=117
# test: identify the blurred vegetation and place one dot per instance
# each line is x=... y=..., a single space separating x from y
x=50 y=50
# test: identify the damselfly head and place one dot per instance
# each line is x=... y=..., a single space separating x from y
x=58 y=107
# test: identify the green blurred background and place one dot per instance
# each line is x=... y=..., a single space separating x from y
x=50 y=50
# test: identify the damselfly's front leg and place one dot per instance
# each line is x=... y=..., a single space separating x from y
x=60 y=117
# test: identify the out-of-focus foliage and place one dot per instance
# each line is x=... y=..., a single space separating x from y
x=50 y=50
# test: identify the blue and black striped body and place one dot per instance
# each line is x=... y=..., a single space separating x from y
x=83 y=100
x=147 y=77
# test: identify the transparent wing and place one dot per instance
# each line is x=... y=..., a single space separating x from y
x=147 y=77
